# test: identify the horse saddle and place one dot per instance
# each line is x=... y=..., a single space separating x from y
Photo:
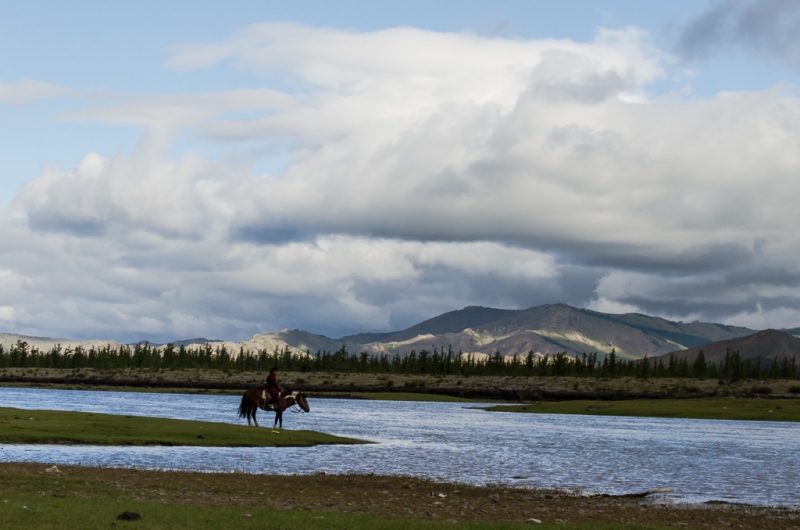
x=266 y=398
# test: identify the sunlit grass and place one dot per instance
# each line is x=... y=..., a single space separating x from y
x=47 y=426
x=44 y=512
x=704 y=408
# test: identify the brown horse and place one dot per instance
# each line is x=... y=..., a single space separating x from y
x=256 y=398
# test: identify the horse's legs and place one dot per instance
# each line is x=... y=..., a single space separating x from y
x=255 y=409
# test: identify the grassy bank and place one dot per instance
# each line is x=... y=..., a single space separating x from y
x=708 y=408
x=380 y=396
x=93 y=497
x=47 y=426
x=31 y=511
x=399 y=386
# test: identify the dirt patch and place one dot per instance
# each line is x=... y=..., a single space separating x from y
x=381 y=496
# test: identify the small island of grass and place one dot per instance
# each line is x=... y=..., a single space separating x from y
x=59 y=427
x=705 y=408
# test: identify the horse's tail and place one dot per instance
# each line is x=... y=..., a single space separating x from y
x=243 y=408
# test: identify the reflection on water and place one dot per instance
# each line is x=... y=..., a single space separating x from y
x=737 y=461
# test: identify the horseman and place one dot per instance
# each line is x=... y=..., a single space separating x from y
x=273 y=388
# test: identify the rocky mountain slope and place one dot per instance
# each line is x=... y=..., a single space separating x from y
x=548 y=329
x=767 y=344
x=482 y=330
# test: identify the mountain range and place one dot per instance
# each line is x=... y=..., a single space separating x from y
x=482 y=331
x=768 y=344
x=548 y=329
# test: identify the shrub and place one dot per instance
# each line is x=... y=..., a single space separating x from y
x=794 y=389
x=761 y=390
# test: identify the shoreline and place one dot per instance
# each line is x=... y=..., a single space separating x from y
x=28 y=426
x=743 y=409
x=473 y=388
x=699 y=399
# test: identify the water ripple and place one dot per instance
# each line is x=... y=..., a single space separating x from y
x=736 y=461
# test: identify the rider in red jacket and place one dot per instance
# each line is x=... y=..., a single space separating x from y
x=273 y=388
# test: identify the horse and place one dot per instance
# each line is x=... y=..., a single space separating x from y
x=256 y=398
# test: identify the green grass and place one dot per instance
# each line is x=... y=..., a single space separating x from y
x=47 y=426
x=708 y=408
x=44 y=512
x=91 y=497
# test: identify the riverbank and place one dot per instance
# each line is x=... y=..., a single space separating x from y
x=757 y=409
x=475 y=388
x=58 y=427
x=35 y=495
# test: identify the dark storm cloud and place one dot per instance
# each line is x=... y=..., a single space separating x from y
x=652 y=259
x=271 y=234
x=768 y=27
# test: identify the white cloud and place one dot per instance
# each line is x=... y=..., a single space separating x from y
x=781 y=317
x=7 y=314
x=29 y=90
x=425 y=171
x=604 y=305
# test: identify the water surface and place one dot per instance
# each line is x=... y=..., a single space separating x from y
x=735 y=461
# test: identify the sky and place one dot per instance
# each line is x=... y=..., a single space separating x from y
x=216 y=169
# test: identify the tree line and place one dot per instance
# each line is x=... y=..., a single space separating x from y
x=434 y=362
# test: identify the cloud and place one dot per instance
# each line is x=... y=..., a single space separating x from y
x=29 y=90
x=604 y=305
x=133 y=283
x=422 y=172
x=766 y=27
x=7 y=313
x=172 y=112
x=782 y=317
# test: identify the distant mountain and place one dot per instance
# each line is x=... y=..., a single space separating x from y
x=792 y=331
x=451 y=322
x=767 y=344
x=179 y=343
x=295 y=339
x=547 y=329
x=483 y=330
x=192 y=342
x=45 y=343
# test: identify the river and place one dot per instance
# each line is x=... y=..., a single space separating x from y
x=736 y=461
